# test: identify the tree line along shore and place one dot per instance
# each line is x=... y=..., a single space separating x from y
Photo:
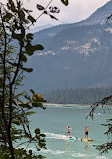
x=77 y=96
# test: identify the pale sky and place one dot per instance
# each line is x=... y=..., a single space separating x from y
x=76 y=11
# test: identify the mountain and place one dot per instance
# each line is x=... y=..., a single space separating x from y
x=100 y=15
x=38 y=28
x=75 y=55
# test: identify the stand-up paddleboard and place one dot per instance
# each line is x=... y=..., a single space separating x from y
x=71 y=138
x=87 y=140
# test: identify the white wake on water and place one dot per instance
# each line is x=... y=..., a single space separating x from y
x=53 y=152
x=71 y=154
x=58 y=136
x=54 y=136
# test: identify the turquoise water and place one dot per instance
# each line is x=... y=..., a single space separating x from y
x=53 y=122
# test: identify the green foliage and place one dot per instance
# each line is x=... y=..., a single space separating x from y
x=31 y=19
x=37 y=131
x=51 y=9
x=39 y=7
x=29 y=37
x=65 y=2
x=106 y=147
x=30 y=48
x=20 y=153
x=14 y=123
x=27 y=69
x=109 y=125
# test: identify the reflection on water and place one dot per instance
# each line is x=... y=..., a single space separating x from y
x=68 y=146
x=86 y=148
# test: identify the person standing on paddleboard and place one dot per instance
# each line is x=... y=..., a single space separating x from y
x=69 y=130
x=86 y=132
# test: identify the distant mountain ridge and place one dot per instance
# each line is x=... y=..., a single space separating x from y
x=99 y=16
x=75 y=55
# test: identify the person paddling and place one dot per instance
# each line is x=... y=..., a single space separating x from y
x=69 y=131
x=86 y=132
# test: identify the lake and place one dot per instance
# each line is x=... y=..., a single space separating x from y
x=53 y=122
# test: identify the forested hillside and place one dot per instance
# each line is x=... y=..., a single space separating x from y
x=77 y=96
x=75 y=55
x=75 y=58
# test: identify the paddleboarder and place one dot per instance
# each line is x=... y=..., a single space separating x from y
x=69 y=130
x=86 y=132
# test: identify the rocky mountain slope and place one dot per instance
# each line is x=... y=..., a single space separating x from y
x=75 y=55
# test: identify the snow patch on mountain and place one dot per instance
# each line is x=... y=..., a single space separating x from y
x=45 y=53
x=109 y=30
x=85 y=49
x=96 y=41
x=65 y=48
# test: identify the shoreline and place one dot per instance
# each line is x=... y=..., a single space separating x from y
x=70 y=105
x=62 y=105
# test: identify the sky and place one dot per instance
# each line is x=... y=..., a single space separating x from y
x=76 y=11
